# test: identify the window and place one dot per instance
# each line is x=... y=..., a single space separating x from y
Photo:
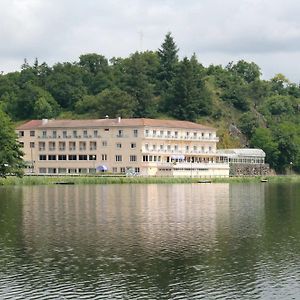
x=62 y=146
x=51 y=146
x=85 y=133
x=169 y=147
x=44 y=133
x=104 y=157
x=154 y=147
x=120 y=133
x=72 y=146
x=150 y=157
x=145 y=157
x=72 y=157
x=83 y=157
x=42 y=170
x=42 y=157
x=161 y=133
x=195 y=135
x=32 y=133
x=146 y=132
x=92 y=157
x=122 y=169
x=104 y=143
x=154 y=132
x=146 y=146
x=62 y=170
x=119 y=145
x=115 y=170
x=137 y=170
x=176 y=134
x=31 y=144
x=21 y=133
x=195 y=148
x=187 y=148
x=82 y=170
x=21 y=144
x=72 y=171
x=135 y=132
x=52 y=170
x=95 y=133
x=42 y=146
x=54 y=134
x=132 y=158
x=168 y=133
x=64 y=134
x=82 y=146
x=133 y=145
x=161 y=147
x=62 y=157
x=93 y=145
x=75 y=133
x=176 y=148
x=118 y=157
x=106 y=129
x=51 y=157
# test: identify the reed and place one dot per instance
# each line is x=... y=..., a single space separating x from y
x=48 y=180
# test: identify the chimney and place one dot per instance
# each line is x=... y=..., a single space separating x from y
x=119 y=119
x=44 y=121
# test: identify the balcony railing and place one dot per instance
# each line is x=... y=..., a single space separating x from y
x=191 y=138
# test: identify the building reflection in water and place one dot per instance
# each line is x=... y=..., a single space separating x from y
x=153 y=215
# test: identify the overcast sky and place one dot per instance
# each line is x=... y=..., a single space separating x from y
x=218 y=31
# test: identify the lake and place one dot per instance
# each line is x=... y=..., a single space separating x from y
x=183 y=241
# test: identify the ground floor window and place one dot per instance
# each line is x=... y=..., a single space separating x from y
x=62 y=170
x=52 y=170
x=42 y=170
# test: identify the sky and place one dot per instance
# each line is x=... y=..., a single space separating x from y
x=266 y=32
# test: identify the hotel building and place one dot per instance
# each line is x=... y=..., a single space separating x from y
x=146 y=147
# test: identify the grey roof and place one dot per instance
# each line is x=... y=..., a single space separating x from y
x=246 y=152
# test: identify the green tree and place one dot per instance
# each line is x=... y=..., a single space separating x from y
x=189 y=97
x=248 y=71
x=248 y=123
x=136 y=82
x=96 y=73
x=111 y=102
x=263 y=139
x=10 y=153
x=66 y=85
x=168 y=60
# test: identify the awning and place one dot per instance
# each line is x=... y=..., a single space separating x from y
x=102 y=168
x=178 y=157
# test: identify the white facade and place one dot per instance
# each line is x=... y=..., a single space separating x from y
x=146 y=147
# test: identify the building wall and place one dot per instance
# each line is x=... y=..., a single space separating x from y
x=142 y=149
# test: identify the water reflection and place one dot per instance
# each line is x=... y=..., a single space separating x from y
x=150 y=241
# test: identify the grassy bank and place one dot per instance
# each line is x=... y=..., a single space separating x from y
x=48 y=180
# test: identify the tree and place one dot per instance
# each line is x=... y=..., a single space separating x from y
x=248 y=71
x=96 y=72
x=136 y=82
x=263 y=139
x=248 y=123
x=66 y=85
x=168 y=60
x=10 y=153
x=189 y=97
x=111 y=102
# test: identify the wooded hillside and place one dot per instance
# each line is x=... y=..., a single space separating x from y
x=247 y=110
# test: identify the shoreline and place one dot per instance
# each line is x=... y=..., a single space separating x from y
x=60 y=180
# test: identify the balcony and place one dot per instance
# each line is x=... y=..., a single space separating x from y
x=186 y=138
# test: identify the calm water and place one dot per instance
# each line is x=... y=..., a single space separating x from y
x=198 y=241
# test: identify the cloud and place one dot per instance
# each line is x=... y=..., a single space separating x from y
x=216 y=30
